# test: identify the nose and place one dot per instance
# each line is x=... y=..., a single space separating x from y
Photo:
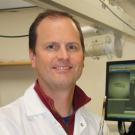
x=63 y=53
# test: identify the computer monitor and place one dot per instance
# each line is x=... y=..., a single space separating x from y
x=120 y=91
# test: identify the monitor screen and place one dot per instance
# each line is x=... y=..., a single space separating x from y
x=120 y=90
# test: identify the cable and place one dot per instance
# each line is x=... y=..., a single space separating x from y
x=13 y=9
x=15 y=36
x=122 y=128
x=117 y=16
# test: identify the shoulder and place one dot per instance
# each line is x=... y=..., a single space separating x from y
x=11 y=110
x=16 y=106
x=9 y=118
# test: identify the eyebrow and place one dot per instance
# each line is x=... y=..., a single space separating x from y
x=55 y=42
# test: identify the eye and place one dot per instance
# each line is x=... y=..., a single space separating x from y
x=73 y=46
x=52 y=46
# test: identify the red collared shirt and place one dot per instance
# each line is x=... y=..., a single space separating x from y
x=79 y=99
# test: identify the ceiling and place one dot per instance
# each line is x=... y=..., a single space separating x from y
x=93 y=12
x=127 y=5
x=8 y=4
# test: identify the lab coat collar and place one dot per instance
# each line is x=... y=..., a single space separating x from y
x=32 y=102
x=34 y=106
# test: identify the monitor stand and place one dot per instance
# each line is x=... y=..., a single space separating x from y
x=132 y=129
x=122 y=128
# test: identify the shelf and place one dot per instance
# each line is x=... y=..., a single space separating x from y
x=10 y=63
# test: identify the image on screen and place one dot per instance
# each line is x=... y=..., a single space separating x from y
x=120 y=91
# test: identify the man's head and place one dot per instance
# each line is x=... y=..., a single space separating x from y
x=53 y=14
x=56 y=50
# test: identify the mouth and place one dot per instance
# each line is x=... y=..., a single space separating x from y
x=62 y=68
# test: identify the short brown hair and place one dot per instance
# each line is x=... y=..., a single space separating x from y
x=51 y=13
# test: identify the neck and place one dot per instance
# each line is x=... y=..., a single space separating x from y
x=62 y=99
x=63 y=103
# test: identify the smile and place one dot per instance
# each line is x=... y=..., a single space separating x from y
x=62 y=68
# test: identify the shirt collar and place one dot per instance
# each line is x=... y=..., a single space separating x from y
x=79 y=98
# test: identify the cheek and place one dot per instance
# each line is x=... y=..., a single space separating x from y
x=43 y=63
x=79 y=60
x=79 y=63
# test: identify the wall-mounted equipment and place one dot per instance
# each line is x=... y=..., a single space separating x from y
x=106 y=44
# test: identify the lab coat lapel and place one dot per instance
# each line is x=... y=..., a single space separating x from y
x=80 y=123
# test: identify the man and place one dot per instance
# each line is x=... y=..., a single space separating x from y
x=54 y=104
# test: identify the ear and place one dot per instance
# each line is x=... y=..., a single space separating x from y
x=32 y=57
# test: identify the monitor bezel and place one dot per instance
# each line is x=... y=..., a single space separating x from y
x=106 y=90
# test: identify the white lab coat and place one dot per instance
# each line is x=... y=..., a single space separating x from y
x=28 y=116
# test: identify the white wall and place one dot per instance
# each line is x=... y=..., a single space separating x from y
x=15 y=22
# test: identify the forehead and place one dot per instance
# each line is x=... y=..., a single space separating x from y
x=57 y=21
